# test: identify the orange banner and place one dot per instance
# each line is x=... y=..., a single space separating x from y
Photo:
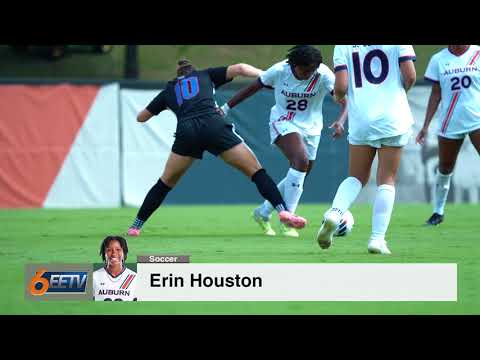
x=38 y=125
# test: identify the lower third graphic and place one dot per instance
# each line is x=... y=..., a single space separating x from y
x=63 y=282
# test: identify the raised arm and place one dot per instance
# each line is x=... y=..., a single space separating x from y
x=433 y=102
x=244 y=70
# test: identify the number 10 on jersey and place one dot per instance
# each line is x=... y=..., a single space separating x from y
x=186 y=89
x=367 y=67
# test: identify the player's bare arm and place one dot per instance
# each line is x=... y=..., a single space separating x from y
x=338 y=125
x=407 y=68
x=244 y=70
x=144 y=116
x=341 y=85
x=433 y=102
x=242 y=95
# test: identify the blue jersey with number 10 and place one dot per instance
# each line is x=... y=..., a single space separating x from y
x=191 y=95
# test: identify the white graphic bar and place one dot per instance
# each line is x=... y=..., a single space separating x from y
x=297 y=282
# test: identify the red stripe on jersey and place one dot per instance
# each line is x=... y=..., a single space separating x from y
x=130 y=278
x=475 y=57
x=124 y=281
x=312 y=84
x=309 y=83
x=450 y=112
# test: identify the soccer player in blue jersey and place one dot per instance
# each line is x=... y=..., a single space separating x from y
x=201 y=127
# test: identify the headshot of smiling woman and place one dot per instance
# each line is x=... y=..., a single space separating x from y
x=114 y=281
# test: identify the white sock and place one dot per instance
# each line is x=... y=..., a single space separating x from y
x=441 y=192
x=382 y=211
x=266 y=208
x=346 y=194
x=293 y=188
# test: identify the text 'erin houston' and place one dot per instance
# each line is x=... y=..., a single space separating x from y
x=199 y=280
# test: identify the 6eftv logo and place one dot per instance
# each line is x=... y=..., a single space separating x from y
x=58 y=282
x=63 y=282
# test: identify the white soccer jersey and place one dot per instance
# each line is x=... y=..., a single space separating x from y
x=298 y=101
x=109 y=288
x=376 y=100
x=459 y=79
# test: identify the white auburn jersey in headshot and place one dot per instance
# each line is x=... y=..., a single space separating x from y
x=459 y=79
x=119 y=288
x=298 y=101
x=376 y=100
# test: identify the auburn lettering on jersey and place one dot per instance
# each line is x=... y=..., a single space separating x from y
x=119 y=288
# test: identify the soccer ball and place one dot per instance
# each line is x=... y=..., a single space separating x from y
x=346 y=225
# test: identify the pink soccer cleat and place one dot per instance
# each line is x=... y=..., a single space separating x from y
x=133 y=232
x=292 y=220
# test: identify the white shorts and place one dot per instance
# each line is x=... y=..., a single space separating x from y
x=395 y=141
x=458 y=135
x=311 y=142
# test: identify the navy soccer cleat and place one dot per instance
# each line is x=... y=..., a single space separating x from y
x=435 y=219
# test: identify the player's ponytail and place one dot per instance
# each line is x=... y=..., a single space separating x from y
x=185 y=67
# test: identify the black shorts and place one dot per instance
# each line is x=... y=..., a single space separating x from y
x=210 y=133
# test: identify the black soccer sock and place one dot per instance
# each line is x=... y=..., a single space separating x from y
x=153 y=200
x=269 y=190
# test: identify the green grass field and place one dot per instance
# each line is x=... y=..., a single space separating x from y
x=157 y=62
x=226 y=234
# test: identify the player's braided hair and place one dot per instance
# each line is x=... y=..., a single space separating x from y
x=108 y=240
x=304 y=55
x=185 y=67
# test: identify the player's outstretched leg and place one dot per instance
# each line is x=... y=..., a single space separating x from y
x=263 y=213
x=242 y=158
x=346 y=194
x=293 y=147
x=268 y=189
x=360 y=162
x=175 y=167
x=292 y=193
x=152 y=201
x=293 y=189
